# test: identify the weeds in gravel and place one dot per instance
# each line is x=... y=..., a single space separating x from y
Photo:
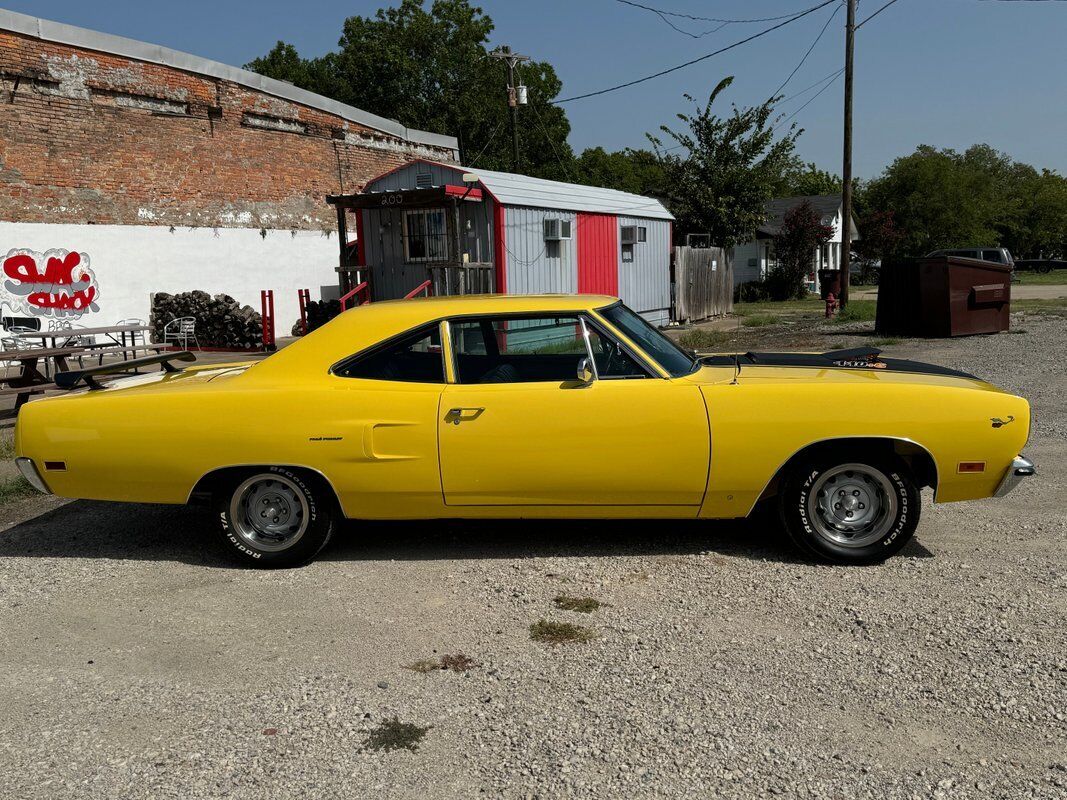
x=559 y=632
x=583 y=605
x=453 y=663
x=393 y=734
x=14 y=489
x=423 y=665
x=458 y=663
x=885 y=342
x=699 y=339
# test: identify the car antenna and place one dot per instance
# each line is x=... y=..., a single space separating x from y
x=737 y=368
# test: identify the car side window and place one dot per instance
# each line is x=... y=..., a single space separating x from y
x=531 y=349
x=416 y=357
x=993 y=255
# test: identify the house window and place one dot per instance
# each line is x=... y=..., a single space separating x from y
x=425 y=235
x=642 y=234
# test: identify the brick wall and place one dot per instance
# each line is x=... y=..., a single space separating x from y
x=89 y=137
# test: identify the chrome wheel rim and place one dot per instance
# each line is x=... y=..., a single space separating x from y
x=852 y=505
x=269 y=512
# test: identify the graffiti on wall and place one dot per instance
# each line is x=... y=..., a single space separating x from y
x=56 y=283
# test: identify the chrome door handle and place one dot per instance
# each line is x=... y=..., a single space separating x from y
x=458 y=415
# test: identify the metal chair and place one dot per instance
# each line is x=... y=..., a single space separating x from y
x=181 y=329
x=136 y=337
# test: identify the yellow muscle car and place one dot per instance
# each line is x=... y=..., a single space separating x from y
x=528 y=406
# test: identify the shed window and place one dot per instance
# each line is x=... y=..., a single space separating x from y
x=425 y=235
x=627 y=253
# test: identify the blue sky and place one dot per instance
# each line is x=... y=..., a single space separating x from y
x=943 y=72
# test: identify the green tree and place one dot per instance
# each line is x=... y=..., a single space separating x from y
x=801 y=234
x=978 y=198
x=638 y=171
x=428 y=69
x=808 y=179
x=728 y=168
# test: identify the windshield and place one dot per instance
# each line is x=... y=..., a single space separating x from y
x=666 y=353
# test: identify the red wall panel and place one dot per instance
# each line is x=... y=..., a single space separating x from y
x=598 y=254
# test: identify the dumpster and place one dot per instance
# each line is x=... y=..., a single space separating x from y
x=944 y=296
x=963 y=296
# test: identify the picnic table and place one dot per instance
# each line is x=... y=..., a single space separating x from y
x=116 y=333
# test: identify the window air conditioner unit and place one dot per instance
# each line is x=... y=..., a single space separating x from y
x=628 y=234
x=557 y=229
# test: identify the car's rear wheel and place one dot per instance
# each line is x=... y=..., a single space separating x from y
x=849 y=510
x=274 y=517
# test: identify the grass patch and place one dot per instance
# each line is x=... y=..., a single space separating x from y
x=1053 y=278
x=453 y=663
x=857 y=311
x=392 y=734
x=885 y=342
x=703 y=339
x=559 y=632
x=759 y=320
x=7 y=448
x=1054 y=306
x=583 y=605
x=14 y=489
x=808 y=304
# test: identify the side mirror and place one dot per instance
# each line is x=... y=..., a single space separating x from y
x=586 y=375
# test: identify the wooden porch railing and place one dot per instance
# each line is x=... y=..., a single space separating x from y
x=425 y=286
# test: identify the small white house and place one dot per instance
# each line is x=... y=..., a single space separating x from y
x=755 y=258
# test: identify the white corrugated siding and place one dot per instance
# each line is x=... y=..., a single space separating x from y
x=535 y=266
x=645 y=282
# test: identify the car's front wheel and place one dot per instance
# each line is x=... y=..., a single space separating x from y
x=849 y=510
x=275 y=517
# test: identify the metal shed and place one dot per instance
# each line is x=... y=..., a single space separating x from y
x=422 y=226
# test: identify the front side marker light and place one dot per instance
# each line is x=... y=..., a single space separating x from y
x=30 y=473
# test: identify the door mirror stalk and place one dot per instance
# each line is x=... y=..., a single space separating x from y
x=586 y=373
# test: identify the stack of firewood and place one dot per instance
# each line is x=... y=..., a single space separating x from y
x=319 y=312
x=220 y=320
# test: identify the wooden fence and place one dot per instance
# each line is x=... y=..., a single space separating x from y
x=703 y=283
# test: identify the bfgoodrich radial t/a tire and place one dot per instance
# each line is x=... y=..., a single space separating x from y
x=849 y=510
x=274 y=517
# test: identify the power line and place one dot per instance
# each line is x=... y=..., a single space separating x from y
x=661 y=73
x=488 y=142
x=819 y=82
x=811 y=99
x=808 y=53
x=875 y=14
x=713 y=19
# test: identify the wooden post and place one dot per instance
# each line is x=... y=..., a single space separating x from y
x=344 y=279
x=846 y=167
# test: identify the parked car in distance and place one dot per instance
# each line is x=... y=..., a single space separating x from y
x=512 y=406
x=998 y=255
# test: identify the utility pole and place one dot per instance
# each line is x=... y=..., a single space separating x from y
x=846 y=166
x=516 y=95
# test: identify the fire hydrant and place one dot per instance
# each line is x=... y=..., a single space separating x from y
x=831 y=305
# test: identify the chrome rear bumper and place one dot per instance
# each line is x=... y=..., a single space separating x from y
x=1020 y=468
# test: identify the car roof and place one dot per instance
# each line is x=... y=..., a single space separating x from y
x=367 y=325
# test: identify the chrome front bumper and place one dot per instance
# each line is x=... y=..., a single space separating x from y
x=1020 y=468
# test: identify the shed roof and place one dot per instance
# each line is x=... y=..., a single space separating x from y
x=522 y=190
x=825 y=205
x=61 y=33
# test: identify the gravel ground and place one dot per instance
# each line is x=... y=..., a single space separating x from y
x=134 y=663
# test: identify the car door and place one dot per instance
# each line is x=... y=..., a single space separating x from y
x=518 y=427
x=378 y=438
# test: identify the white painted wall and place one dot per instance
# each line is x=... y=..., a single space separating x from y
x=130 y=262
